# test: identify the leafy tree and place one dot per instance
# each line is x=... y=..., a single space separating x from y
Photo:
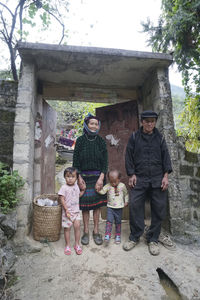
x=16 y=18
x=189 y=125
x=178 y=31
x=73 y=112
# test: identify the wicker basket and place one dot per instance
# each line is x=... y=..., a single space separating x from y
x=46 y=219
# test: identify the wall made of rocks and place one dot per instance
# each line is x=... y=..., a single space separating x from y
x=23 y=150
x=156 y=95
x=8 y=227
x=189 y=179
x=8 y=99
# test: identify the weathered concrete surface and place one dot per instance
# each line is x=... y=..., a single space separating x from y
x=23 y=151
x=106 y=272
x=92 y=74
x=92 y=65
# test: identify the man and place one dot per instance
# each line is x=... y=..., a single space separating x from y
x=147 y=164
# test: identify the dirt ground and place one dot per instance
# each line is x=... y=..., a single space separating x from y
x=107 y=272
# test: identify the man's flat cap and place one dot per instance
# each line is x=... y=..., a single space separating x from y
x=149 y=114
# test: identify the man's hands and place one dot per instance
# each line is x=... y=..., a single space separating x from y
x=165 y=182
x=132 y=181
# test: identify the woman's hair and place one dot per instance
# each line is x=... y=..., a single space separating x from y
x=70 y=170
x=88 y=118
x=119 y=175
x=86 y=130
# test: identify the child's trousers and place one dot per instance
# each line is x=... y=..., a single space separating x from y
x=114 y=214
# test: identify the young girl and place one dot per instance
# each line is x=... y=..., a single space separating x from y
x=69 y=194
x=117 y=199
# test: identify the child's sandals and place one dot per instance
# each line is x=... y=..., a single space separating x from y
x=107 y=238
x=67 y=250
x=78 y=250
x=117 y=239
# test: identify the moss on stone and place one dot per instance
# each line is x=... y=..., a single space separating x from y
x=191 y=157
x=7 y=116
x=198 y=172
x=186 y=170
x=195 y=201
x=195 y=185
x=195 y=215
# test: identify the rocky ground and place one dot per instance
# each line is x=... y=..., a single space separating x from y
x=107 y=272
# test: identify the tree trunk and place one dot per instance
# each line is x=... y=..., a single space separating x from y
x=13 y=64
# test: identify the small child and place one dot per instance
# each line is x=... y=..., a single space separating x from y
x=69 y=194
x=117 y=199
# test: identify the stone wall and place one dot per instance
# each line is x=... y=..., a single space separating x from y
x=23 y=151
x=156 y=95
x=189 y=179
x=8 y=99
x=8 y=227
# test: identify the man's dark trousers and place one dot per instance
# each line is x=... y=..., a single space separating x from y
x=158 y=202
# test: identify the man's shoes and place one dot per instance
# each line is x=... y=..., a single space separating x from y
x=85 y=239
x=166 y=241
x=153 y=248
x=97 y=238
x=129 y=245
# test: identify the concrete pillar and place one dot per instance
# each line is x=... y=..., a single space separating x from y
x=38 y=149
x=157 y=96
x=23 y=151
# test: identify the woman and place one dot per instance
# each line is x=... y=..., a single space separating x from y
x=91 y=160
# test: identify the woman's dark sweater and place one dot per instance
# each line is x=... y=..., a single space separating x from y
x=90 y=153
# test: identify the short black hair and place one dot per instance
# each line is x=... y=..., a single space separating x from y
x=116 y=171
x=70 y=170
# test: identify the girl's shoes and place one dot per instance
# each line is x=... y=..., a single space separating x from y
x=117 y=239
x=67 y=250
x=107 y=238
x=78 y=250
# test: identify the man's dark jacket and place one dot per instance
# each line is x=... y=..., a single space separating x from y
x=147 y=157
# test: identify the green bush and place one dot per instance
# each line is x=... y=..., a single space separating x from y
x=10 y=182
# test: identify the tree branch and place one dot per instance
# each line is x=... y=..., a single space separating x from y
x=6 y=8
x=63 y=26
x=4 y=26
x=20 y=17
x=4 y=37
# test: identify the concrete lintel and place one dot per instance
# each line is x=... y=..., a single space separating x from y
x=91 y=65
x=87 y=93
x=22 y=46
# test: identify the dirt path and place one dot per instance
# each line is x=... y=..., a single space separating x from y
x=106 y=273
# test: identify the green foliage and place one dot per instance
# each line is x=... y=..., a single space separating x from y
x=10 y=183
x=18 y=17
x=178 y=107
x=178 y=31
x=189 y=126
x=73 y=112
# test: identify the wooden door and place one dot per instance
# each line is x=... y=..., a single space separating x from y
x=118 y=121
x=48 y=156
